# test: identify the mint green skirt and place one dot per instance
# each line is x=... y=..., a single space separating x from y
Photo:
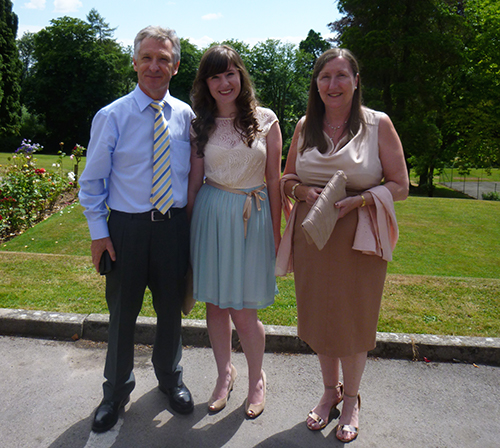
x=229 y=270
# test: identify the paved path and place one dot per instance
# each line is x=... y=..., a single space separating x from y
x=49 y=390
x=473 y=189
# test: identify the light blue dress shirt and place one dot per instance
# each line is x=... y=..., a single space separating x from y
x=119 y=168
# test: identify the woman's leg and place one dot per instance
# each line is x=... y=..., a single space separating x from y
x=331 y=394
x=252 y=338
x=219 y=331
x=352 y=369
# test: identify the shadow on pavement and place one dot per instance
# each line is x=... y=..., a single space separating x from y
x=299 y=437
x=148 y=419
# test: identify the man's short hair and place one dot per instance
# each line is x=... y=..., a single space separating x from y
x=160 y=34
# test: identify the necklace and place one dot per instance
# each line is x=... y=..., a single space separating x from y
x=334 y=128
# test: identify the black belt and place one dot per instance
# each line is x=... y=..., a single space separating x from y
x=153 y=215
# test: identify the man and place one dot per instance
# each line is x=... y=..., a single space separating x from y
x=147 y=243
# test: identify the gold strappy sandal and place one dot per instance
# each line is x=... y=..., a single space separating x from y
x=349 y=428
x=317 y=419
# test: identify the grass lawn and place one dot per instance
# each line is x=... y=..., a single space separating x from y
x=445 y=277
x=47 y=161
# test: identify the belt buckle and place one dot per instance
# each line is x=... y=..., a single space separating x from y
x=154 y=219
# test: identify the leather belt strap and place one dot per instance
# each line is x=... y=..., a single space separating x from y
x=153 y=215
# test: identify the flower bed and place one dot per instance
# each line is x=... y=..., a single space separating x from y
x=28 y=193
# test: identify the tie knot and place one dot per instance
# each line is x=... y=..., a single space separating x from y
x=158 y=105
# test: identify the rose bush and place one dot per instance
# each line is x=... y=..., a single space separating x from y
x=27 y=193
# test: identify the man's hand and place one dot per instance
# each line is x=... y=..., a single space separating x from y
x=97 y=247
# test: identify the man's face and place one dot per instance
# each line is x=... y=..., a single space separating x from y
x=155 y=67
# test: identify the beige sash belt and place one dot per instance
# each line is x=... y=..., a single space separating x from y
x=258 y=194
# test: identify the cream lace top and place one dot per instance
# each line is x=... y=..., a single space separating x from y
x=229 y=161
x=358 y=158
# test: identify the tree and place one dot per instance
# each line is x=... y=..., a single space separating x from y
x=315 y=45
x=474 y=104
x=281 y=74
x=100 y=27
x=180 y=85
x=75 y=74
x=10 y=72
x=26 y=46
x=409 y=52
x=120 y=57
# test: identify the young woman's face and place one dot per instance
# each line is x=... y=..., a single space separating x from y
x=225 y=87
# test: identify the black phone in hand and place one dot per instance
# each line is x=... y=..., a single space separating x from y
x=105 y=263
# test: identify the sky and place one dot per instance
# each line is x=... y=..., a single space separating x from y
x=200 y=21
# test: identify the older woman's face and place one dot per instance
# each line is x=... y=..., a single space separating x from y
x=337 y=83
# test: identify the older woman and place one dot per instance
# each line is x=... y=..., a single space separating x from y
x=339 y=288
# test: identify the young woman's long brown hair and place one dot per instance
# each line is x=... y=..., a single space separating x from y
x=312 y=130
x=216 y=60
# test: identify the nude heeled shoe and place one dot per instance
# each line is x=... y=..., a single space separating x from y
x=219 y=405
x=254 y=410
x=317 y=419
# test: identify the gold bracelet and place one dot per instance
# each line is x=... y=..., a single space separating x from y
x=364 y=201
x=293 y=191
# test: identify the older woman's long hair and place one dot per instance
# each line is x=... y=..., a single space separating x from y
x=216 y=60
x=312 y=130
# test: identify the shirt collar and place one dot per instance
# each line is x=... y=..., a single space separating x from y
x=143 y=100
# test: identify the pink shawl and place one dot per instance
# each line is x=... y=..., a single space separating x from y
x=377 y=231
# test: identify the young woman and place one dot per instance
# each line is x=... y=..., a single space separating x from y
x=235 y=216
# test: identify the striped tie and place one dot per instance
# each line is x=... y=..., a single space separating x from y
x=162 y=196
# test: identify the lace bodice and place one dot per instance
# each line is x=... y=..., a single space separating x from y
x=229 y=161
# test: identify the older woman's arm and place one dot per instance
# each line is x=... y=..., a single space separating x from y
x=294 y=189
x=393 y=160
x=393 y=166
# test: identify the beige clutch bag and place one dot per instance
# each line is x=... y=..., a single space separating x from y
x=320 y=221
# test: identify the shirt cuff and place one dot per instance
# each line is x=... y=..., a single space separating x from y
x=98 y=229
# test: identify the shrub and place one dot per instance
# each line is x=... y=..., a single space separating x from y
x=27 y=193
x=491 y=196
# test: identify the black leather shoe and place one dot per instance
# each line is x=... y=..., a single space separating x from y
x=106 y=414
x=179 y=397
